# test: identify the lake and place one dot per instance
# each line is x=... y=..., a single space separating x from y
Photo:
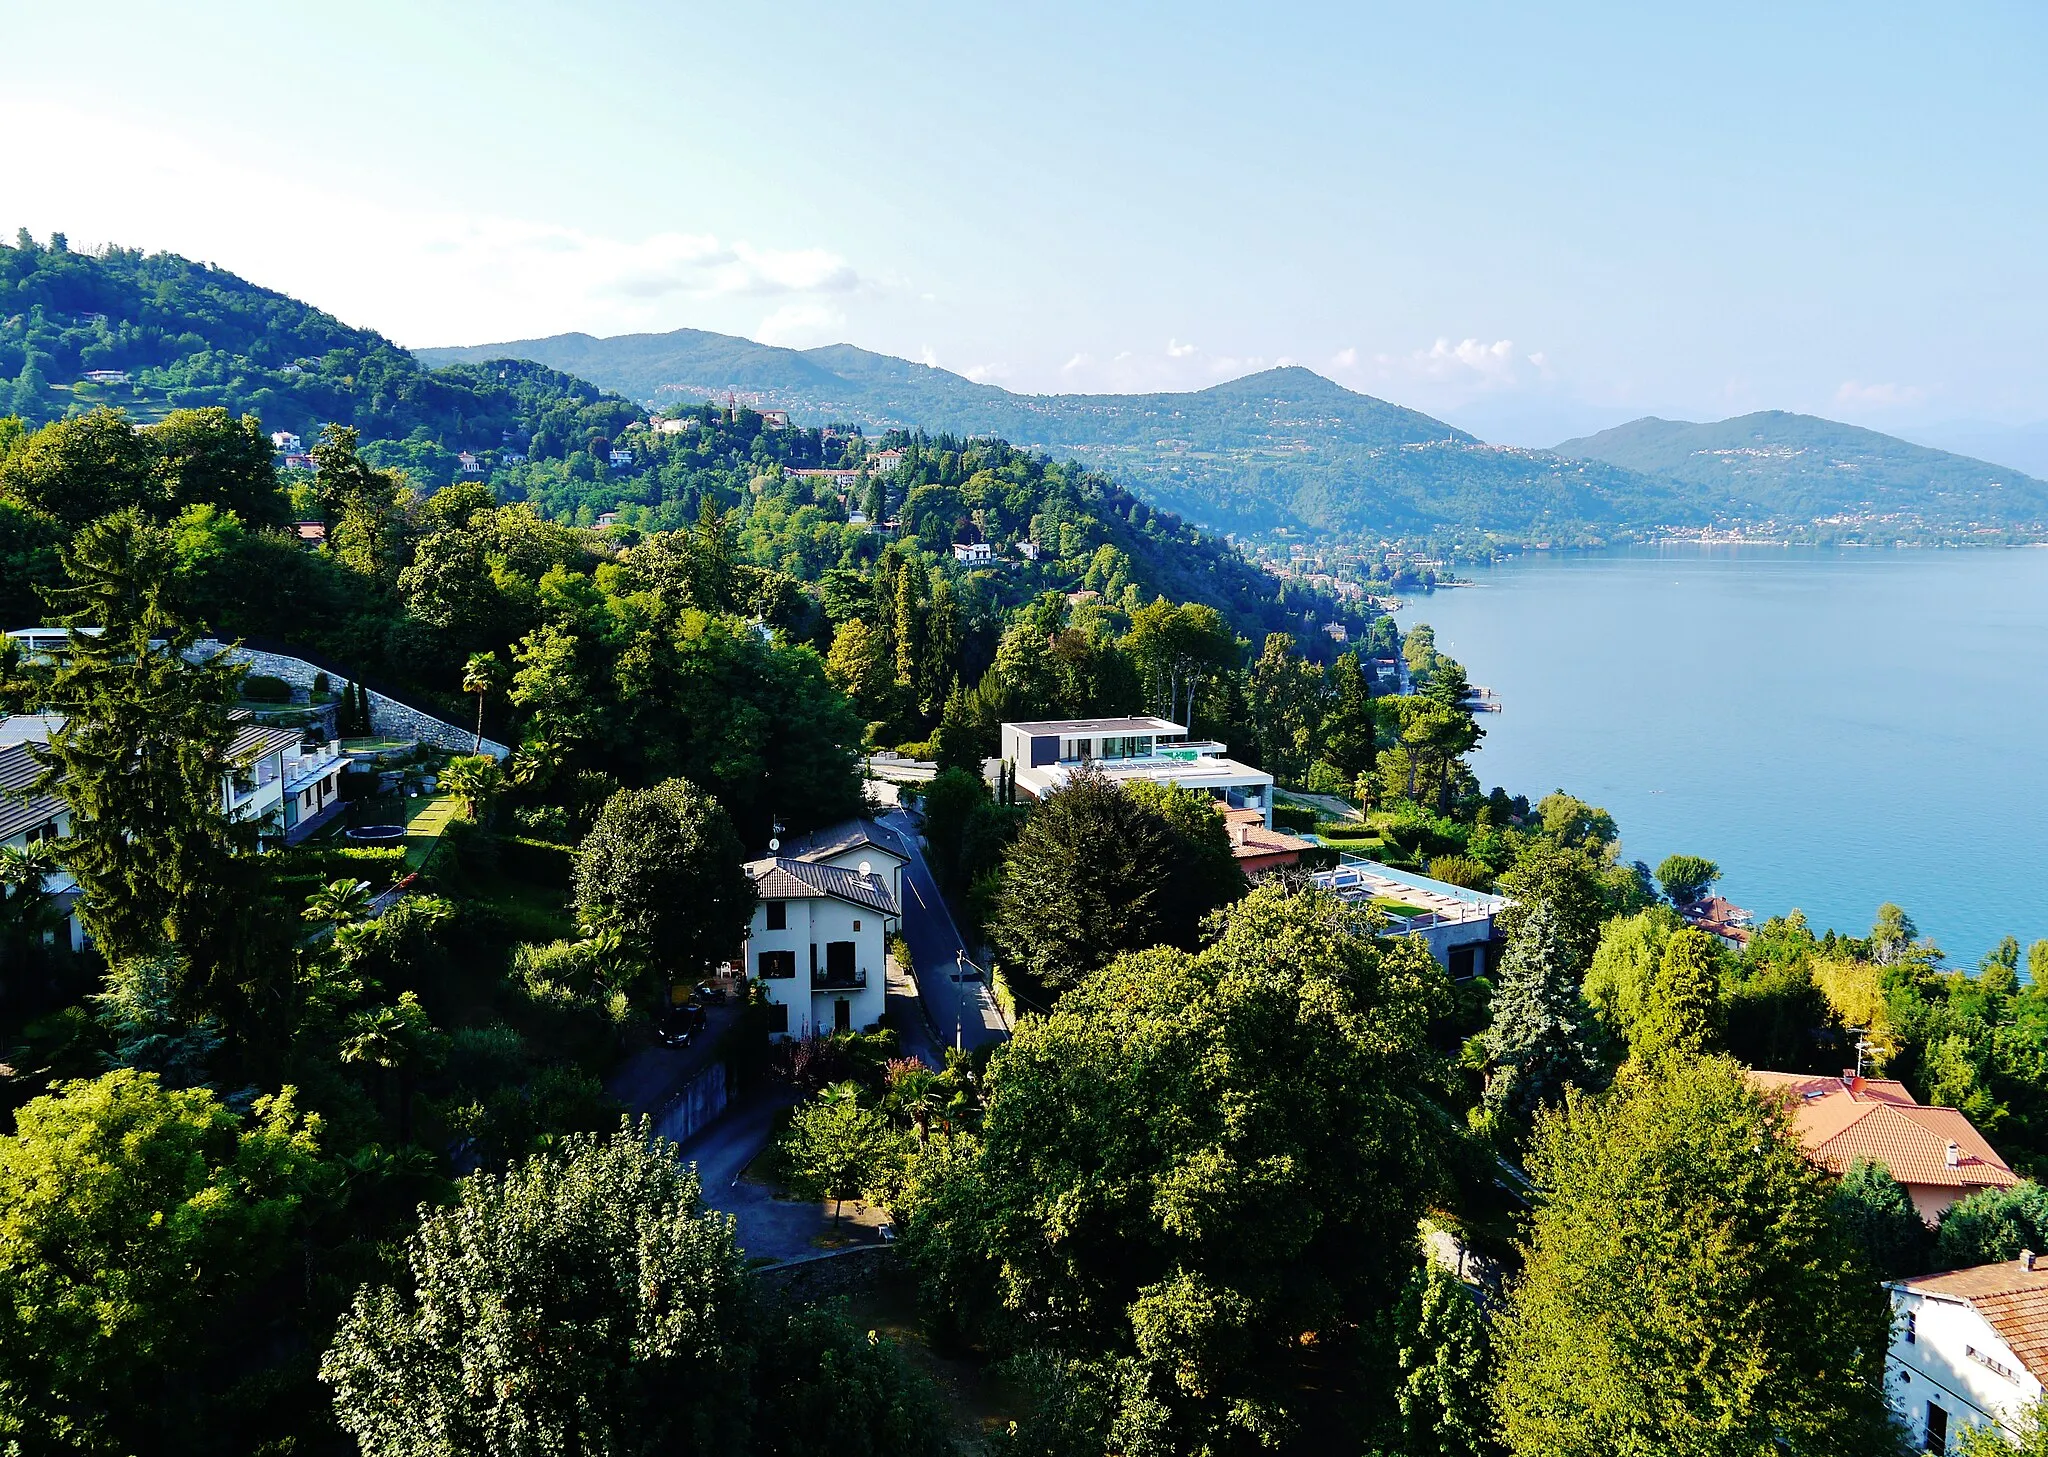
x=1836 y=728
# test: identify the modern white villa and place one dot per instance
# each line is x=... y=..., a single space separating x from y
x=1456 y=924
x=818 y=940
x=1046 y=753
x=1969 y=1349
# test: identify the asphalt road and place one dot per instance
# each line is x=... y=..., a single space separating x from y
x=966 y=1009
x=768 y=1228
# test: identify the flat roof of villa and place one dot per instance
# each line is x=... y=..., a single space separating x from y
x=1442 y=903
x=1100 y=726
x=1209 y=769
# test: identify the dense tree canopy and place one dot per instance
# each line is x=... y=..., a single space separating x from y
x=1181 y=1165
x=1688 y=1289
x=664 y=866
x=133 y=1220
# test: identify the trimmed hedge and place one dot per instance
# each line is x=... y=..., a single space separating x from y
x=262 y=688
x=378 y=864
x=537 y=862
x=1293 y=817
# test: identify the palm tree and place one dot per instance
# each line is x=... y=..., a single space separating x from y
x=535 y=763
x=341 y=902
x=28 y=908
x=479 y=676
x=476 y=780
x=393 y=1038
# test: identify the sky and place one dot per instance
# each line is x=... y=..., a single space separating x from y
x=1534 y=221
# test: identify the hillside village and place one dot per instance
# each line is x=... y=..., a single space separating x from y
x=1000 y=968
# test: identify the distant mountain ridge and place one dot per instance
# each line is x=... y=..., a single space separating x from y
x=1284 y=448
x=1777 y=466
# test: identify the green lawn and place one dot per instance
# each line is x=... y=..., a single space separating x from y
x=1398 y=908
x=425 y=819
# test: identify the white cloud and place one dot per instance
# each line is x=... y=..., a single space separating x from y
x=1079 y=361
x=1444 y=360
x=986 y=373
x=928 y=355
x=801 y=325
x=423 y=274
x=1344 y=359
x=1859 y=396
x=1177 y=350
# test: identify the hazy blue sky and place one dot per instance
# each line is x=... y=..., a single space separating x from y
x=1533 y=220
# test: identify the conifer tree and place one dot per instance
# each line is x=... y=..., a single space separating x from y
x=1543 y=1037
x=1684 y=1015
x=1351 y=730
x=142 y=756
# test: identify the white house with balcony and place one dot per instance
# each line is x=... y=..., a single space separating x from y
x=817 y=945
x=1969 y=1349
x=289 y=789
x=1047 y=752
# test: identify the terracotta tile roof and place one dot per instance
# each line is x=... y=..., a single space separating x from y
x=1251 y=840
x=784 y=879
x=2012 y=1299
x=1878 y=1120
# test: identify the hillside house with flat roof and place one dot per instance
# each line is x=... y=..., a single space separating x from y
x=1457 y=924
x=1047 y=752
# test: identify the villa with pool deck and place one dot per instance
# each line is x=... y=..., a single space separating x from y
x=1459 y=926
x=1152 y=749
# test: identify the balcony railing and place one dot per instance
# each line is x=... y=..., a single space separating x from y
x=845 y=981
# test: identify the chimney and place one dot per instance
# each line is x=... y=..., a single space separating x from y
x=1955 y=1153
x=2027 y=1261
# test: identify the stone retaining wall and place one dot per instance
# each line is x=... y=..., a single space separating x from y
x=389 y=718
x=693 y=1105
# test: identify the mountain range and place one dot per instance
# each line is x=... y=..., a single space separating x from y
x=1281 y=451
x=1791 y=468
x=1289 y=450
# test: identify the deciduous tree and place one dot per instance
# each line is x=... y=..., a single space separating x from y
x=664 y=866
x=583 y=1302
x=1182 y=1163
x=1687 y=1288
x=136 y=1216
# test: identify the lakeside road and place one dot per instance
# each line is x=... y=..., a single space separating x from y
x=967 y=1009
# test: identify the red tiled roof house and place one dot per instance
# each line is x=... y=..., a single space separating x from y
x=1937 y=1153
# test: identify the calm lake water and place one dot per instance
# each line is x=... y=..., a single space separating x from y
x=1836 y=728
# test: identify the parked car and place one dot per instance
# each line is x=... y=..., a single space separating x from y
x=677 y=1025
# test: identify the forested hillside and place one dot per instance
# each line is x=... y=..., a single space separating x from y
x=189 y=335
x=1284 y=448
x=1790 y=469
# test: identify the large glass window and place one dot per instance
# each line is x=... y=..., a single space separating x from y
x=775 y=965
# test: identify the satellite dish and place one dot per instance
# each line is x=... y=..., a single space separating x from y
x=866 y=868
x=775 y=844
